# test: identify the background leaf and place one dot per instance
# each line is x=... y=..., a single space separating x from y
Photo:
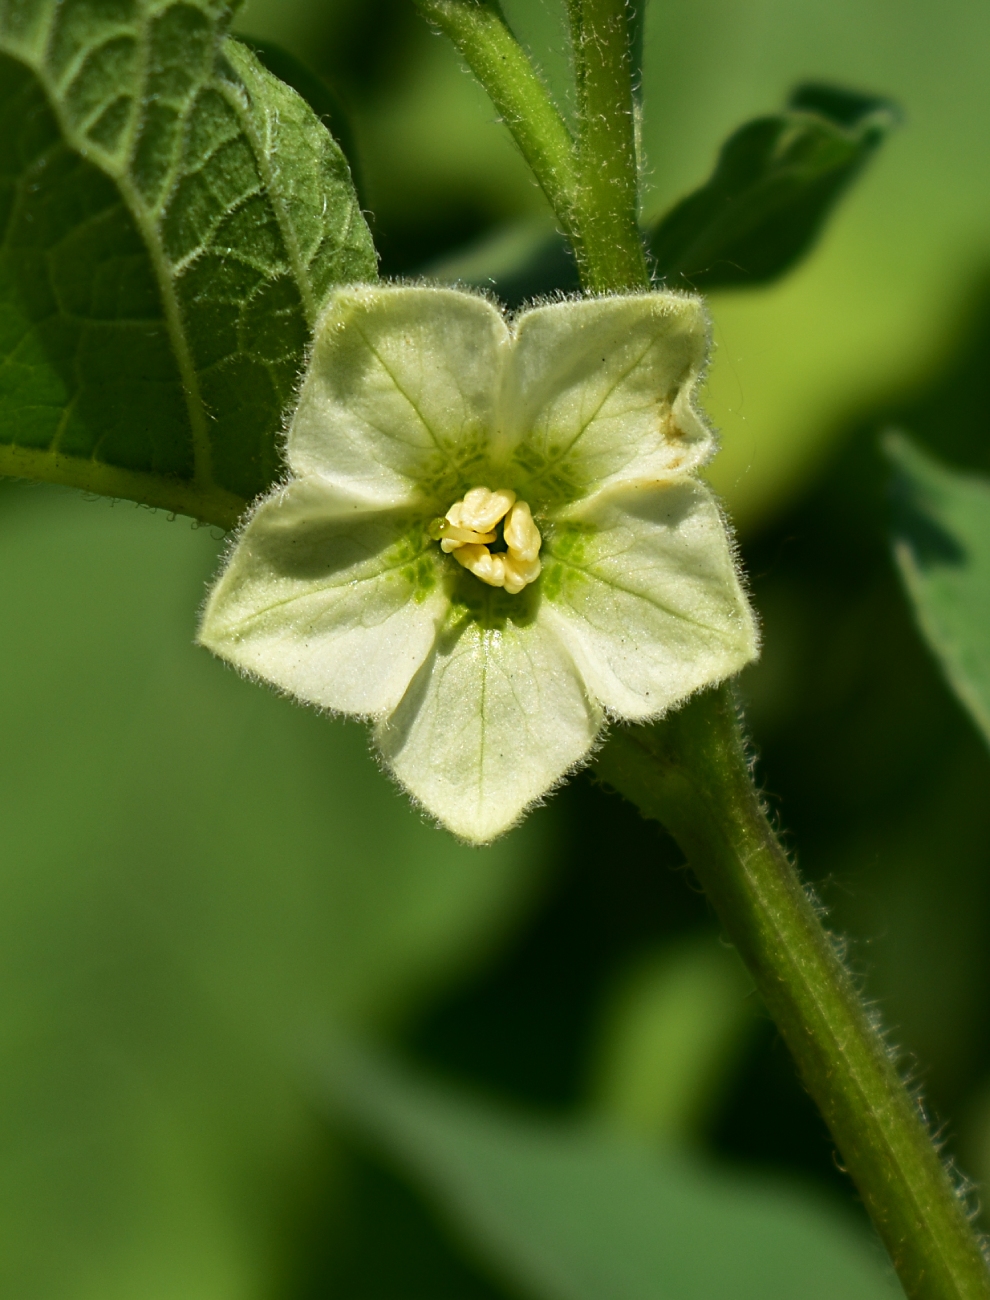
x=570 y=1213
x=525 y=260
x=775 y=182
x=942 y=548
x=173 y=217
x=675 y=1025
x=199 y=884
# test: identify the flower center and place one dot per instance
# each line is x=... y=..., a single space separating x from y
x=471 y=526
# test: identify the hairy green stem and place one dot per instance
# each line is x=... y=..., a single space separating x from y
x=480 y=34
x=690 y=772
x=607 y=164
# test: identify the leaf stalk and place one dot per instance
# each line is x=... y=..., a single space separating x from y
x=207 y=503
x=481 y=36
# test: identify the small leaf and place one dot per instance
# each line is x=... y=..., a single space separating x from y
x=567 y=1212
x=942 y=548
x=776 y=180
x=172 y=217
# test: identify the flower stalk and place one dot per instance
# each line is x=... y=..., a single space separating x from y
x=690 y=772
x=430 y=428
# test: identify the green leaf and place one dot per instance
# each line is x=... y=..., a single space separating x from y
x=942 y=548
x=568 y=1212
x=672 y=1031
x=775 y=182
x=172 y=219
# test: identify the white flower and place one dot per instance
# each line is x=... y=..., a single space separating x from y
x=364 y=584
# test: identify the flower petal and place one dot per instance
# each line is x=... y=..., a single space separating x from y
x=329 y=597
x=602 y=390
x=640 y=583
x=495 y=717
x=399 y=397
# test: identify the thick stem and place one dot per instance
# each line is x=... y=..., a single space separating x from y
x=607 y=163
x=690 y=772
x=479 y=32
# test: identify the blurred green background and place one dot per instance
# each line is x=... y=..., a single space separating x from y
x=204 y=888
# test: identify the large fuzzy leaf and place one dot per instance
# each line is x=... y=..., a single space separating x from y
x=172 y=219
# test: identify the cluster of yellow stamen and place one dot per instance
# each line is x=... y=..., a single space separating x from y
x=469 y=528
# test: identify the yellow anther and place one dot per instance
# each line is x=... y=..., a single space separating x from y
x=469 y=529
x=518 y=573
x=522 y=536
x=480 y=561
x=481 y=510
x=451 y=537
